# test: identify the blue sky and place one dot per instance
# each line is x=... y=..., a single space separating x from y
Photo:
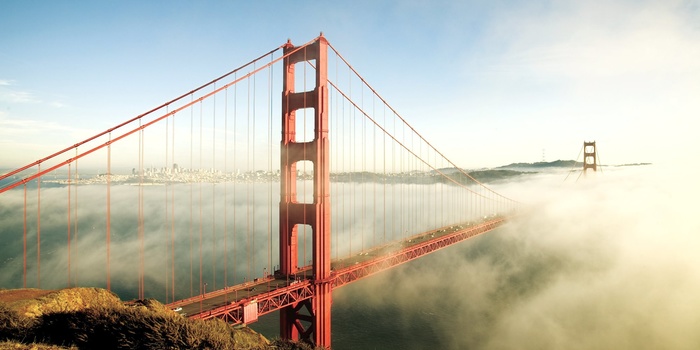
x=487 y=82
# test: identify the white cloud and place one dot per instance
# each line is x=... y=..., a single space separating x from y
x=12 y=126
x=608 y=262
x=19 y=97
x=9 y=94
x=58 y=104
x=593 y=40
x=34 y=138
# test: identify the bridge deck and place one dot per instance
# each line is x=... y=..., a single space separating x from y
x=243 y=303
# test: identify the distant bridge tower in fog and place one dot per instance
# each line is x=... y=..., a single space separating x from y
x=590 y=156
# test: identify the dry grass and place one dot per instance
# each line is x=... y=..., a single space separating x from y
x=96 y=318
x=12 y=295
x=7 y=345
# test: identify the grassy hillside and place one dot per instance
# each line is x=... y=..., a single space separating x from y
x=93 y=318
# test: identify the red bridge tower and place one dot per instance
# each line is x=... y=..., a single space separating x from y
x=589 y=156
x=317 y=316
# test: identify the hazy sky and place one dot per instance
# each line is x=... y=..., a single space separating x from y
x=487 y=82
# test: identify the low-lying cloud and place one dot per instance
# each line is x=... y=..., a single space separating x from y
x=607 y=262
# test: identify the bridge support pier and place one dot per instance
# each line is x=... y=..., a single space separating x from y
x=590 y=158
x=315 y=214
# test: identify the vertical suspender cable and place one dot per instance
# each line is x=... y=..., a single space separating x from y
x=374 y=180
x=348 y=166
x=435 y=194
x=393 y=185
x=424 y=185
x=332 y=126
x=344 y=170
x=172 y=212
x=199 y=179
x=442 y=195
x=167 y=184
x=75 y=217
x=141 y=229
x=140 y=215
x=24 y=239
x=351 y=157
x=69 y=223
x=354 y=145
x=213 y=194
x=235 y=180
x=475 y=203
x=109 y=208
x=304 y=261
x=226 y=180
x=364 y=171
x=38 y=230
x=253 y=168
x=414 y=186
x=384 y=177
x=247 y=237
x=402 y=231
x=191 y=181
x=269 y=157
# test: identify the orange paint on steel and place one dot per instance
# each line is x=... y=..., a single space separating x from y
x=226 y=190
x=109 y=209
x=235 y=115
x=172 y=216
x=248 y=199
x=142 y=230
x=191 y=228
x=69 y=226
x=75 y=219
x=201 y=232
x=316 y=214
x=213 y=199
x=38 y=230
x=24 y=240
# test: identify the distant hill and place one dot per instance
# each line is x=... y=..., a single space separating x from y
x=554 y=164
x=433 y=177
x=560 y=164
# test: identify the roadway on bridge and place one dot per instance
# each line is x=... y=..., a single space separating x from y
x=203 y=306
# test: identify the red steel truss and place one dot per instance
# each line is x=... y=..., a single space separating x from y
x=268 y=302
x=297 y=294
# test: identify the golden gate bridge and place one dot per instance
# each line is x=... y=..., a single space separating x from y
x=200 y=204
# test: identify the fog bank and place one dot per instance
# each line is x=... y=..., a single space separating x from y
x=608 y=261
